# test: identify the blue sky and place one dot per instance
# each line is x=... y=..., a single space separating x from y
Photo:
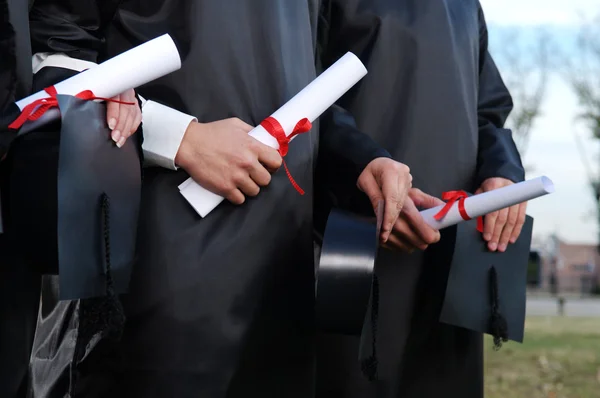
x=570 y=211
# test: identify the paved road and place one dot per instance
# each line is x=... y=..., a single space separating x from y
x=573 y=307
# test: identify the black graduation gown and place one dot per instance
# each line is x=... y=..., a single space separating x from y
x=19 y=287
x=435 y=100
x=220 y=306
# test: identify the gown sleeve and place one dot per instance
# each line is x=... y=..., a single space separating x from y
x=497 y=155
x=76 y=29
x=344 y=150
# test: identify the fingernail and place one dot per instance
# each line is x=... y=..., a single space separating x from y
x=487 y=236
x=493 y=246
x=112 y=123
x=121 y=142
x=502 y=247
x=513 y=240
x=116 y=135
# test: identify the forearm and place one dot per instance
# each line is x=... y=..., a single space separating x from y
x=344 y=152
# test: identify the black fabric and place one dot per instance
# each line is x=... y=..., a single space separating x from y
x=486 y=290
x=75 y=28
x=19 y=286
x=220 y=306
x=91 y=166
x=434 y=99
x=8 y=62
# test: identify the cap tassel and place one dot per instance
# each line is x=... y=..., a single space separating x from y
x=498 y=323
x=103 y=315
x=369 y=365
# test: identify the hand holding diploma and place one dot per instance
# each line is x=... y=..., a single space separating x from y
x=224 y=158
x=504 y=225
x=293 y=118
x=500 y=197
x=410 y=231
x=123 y=116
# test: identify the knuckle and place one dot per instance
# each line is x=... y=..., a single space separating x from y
x=246 y=161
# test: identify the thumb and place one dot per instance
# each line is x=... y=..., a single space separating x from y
x=423 y=200
x=368 y=184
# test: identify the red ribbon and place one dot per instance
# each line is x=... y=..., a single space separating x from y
x=37 y=108
x=457 y=196
x=274 y=128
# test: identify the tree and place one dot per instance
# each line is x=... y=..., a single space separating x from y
x=583 y=73
x=525 y=64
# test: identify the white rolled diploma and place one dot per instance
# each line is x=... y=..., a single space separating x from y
x=488 y=202
x=133 y=68
x=309 y=103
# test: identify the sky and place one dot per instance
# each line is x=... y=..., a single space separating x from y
x=570 y=211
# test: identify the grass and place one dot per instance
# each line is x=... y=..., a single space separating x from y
x=560 y=358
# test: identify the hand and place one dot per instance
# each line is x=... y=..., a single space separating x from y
x=224 y=159
x=503 y=226
x=410 y=231
x=123 y=119
x=387 y=180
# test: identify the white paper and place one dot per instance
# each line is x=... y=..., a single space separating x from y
x=131 y=69
x=488 y=202
x=309 y=103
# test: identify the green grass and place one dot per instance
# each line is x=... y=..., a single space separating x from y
x=560 y=358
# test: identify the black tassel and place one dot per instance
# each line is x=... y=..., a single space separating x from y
x=498 y=323
x=103 y=315
x=369 y=364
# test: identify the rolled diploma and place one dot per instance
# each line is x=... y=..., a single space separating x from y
x=309 y=103
x=488 y=202
x=131 y=69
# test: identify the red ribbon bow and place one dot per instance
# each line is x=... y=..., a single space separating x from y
x=37 y=108
x=274 y=128
x=457 y=196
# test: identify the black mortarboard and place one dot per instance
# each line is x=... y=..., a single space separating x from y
x=347 y=287
x=74 y=201
x=99 y=190
x=486 y=290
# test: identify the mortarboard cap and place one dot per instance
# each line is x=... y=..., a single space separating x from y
x=486 y=290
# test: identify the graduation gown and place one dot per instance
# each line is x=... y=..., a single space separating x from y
x=220 y=306
x=19 y=287
x=435 y=100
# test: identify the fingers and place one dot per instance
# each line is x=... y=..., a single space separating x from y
x=260 y=176
x=268 y=156
x=520 y=221
x=425 y=232
x=112 y=113
x=423 y=200
x=507 y=232
x=247 y=186
x=489 y=223
x=396 y=244
x=395 y=190
x=235 y=196
x=500 y=222
x=129 y=117
x=403 y=232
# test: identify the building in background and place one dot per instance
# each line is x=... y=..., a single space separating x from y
x=567 y=267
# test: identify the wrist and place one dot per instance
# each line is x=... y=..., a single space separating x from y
x=184 y=153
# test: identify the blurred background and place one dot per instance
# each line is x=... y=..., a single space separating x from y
x=549 y=54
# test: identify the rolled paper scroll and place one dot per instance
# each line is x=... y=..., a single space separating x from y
x=488 y=202
x=131 y=69
x=292 y=118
